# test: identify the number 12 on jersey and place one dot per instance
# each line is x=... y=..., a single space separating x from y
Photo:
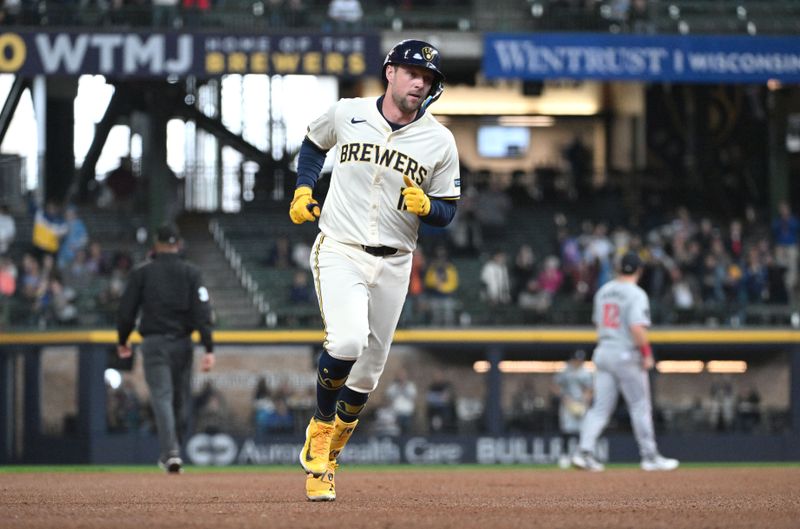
x=611 y=315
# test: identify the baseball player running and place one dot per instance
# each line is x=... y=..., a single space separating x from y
x=622 y=357
x=395 y=166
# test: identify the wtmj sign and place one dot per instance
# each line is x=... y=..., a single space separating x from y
x=129 y=54
x=720 y=59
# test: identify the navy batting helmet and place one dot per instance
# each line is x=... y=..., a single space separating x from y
x=418 y=53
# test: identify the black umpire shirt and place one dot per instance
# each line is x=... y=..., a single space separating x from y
x=172 y=299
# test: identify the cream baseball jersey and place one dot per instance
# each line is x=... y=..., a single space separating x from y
x=364 y=204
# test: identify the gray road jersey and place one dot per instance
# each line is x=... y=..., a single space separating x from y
x=617 y=306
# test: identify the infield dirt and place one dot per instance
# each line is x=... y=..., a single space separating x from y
x=408 y=498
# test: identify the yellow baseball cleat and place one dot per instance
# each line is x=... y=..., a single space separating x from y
x=342 y=431
x=322 y=488
x=316 y=450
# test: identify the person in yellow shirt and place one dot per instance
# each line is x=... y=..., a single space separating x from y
x=441 y=282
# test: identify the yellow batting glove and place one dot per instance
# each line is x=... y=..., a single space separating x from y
x=417 y=201
x=303 y=208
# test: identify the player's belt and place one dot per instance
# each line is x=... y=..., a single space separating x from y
x=380 y=251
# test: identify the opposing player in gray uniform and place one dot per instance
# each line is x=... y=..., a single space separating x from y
x=622 y=358
x=573 y=386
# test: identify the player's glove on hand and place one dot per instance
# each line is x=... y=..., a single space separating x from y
x=417 y=201
x=303 y=208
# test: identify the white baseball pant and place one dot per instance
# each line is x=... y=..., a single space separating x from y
x=361 y=297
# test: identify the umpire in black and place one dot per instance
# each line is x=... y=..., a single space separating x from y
x=173 y=302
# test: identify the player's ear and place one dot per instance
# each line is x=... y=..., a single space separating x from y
x=390 y=70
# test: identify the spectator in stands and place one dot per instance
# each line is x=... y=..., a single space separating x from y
x=776 y=282
x=30 y=281
x=124 y=409
x=523 y=271
x=301 y=254
x=76 y=238
x=8 y=229
x=579 y=159
x=122 y=184
x=280 y=254
x=9 y=13
x=465 y=231
x=524 y=406
x=296 y=13
x=8 y=286
x=786 y=235
x=402 y=397
x=195 y=10
x=682 y=294
x=754 y=279
x=97 y=261
x=49 y=227
x=275 y=13
x=495 y=280
x=345 y=14
x=600 y=252
x=723 y=405
x=748 y=410
x=441 y=283
x=109 y=298
x=540 y=292
x=415 y=308
x=441 y=401
x=211 y=411
x=493 y=208
x=277 y=420
x=300 y=292
x=55 y=305
x=166 y=14
x=78 y=274
x=734 y=243
x=384 y=421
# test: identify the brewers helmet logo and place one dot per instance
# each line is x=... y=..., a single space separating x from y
x=428 y=53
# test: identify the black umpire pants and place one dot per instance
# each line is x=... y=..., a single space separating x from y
x=168 y=373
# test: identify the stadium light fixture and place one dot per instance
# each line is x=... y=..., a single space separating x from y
x=726 y=366
x=526 y=366
x=680 y=366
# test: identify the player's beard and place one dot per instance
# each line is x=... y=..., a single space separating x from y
x=405 y=105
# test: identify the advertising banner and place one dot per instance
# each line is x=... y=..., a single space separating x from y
x=160 y=55
x=222 y=450
x=693 y=59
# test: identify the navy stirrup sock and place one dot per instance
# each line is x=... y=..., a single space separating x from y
x=350 y=405
x=331 y=376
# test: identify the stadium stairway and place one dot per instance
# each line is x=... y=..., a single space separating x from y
x=233 y=306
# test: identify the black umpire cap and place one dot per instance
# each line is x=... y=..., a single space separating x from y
x=168 y=234
x=630 y=263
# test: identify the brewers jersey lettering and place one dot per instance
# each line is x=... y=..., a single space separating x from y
x=364 y=204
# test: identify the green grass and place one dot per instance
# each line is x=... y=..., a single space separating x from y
x=122 y=469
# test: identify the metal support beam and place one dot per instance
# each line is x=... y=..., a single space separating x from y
x=10 y=106
x=32 y=404
x=6 y=405
x=225 y=136
x=91 y=391
x=102 y=129
x=494 y=383
x=794 y=388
